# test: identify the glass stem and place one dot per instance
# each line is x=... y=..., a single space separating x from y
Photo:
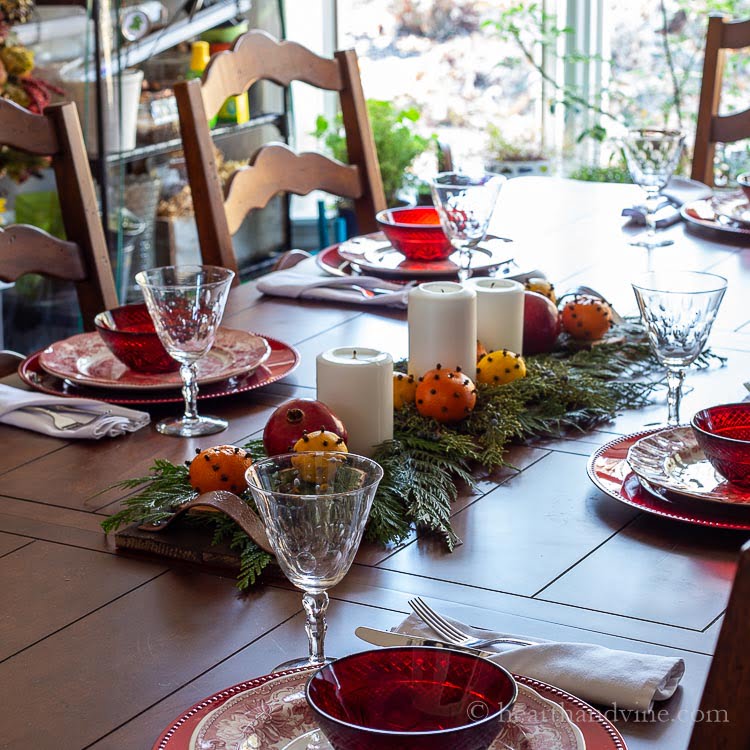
x=464 y=269
x=189 y=390
x=315 y=610
x=652 y=203
x=675 y=377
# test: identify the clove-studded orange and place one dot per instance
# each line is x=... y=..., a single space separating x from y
x=219 y=468
x=317 y=469
x=500 y=368
x=586 y=318
x=404 y=390
x=445 y=395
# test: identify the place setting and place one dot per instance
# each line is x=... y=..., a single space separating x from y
x=434 y=683
x=448 y=241
x=169 y=349
x=725 y=212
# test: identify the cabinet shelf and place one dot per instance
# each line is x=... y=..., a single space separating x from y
x=175 y=144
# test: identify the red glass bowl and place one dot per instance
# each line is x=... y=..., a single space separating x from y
x=743 y=180
x=129 y=334
x=415 y=232
x=411 y=699
x=723 y=432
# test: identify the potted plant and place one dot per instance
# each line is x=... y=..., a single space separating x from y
x=514 y=158
x=396 y=141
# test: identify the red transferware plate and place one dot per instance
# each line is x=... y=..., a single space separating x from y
x=609 y=470
x=282 y=361
x=597 y=731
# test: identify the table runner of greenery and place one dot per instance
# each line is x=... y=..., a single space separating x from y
x=572 y=388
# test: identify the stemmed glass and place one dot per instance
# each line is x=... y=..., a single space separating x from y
x=652 y=157
x=315 y=507
x=678 y=309
x=465 y=203
x=186 y=304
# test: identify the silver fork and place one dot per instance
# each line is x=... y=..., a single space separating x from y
x=65 y=421
x=449 y=632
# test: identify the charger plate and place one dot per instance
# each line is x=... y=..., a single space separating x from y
x=85 y=359
x=282 y=360
x=609 y=470
x=372 y=254
x=271 y=716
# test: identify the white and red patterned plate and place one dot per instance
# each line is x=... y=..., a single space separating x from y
x=270 y=712
x=672 y=460
x=534 y=724
x=84 y=359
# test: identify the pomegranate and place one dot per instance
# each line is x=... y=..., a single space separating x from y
x=287 y=424
x=541 y=324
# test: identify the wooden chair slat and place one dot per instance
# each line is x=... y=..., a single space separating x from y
x=25 y=249
x=712 y=128
x=736 y=34
x=730 y=128
x=25 y=131
x=83 y=258
x=276 y=168
x=258 y=56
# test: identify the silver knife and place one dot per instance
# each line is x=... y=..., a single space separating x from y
x=387 y=638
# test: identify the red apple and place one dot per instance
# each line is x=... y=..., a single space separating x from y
x=541 y=324
x=286 y=425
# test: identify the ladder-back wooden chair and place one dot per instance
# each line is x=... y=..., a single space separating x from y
x=82 y=258
x=724 y=719
x=274 y=167
x=713 y=128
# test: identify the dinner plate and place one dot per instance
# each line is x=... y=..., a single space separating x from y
x=86 y=360
x=535 y=723
x=596 y=731
x=673 y=460
x=702 y=214
x=733 y=206
x=283 y=359
x=609 y=470
x=372 y=254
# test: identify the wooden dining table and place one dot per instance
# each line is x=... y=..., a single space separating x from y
x=99 y=649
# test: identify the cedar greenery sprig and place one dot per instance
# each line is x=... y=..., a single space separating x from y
x=574 y=387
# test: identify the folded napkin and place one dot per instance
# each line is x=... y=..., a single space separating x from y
x=306 y=280
x=18 y=408
x=679 y=190
x=623 y=679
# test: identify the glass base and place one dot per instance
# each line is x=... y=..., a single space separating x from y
x=181 y=427
x=650 y=242
x=303 y=662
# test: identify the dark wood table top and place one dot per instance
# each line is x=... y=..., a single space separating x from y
x=99 y=650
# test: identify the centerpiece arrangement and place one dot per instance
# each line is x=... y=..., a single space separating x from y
x=445 y=425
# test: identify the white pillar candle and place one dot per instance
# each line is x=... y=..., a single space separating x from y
x=356 y=384
x=499 y=313
x=442 y=328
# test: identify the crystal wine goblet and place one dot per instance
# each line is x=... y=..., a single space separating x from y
x=678 y=309
x=465 y=203
x=186 y=304
x=315 y=506
x=652 y=156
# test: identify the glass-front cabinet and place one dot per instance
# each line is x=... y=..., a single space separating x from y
x=119 y=62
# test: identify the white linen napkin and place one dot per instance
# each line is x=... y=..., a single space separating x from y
x=110 y=420
x=306 y=280
x=679 y=190
x=597 y=674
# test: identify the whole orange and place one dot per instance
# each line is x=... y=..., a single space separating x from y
x=445 y=395
x=586 y=318
x=220 y=468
